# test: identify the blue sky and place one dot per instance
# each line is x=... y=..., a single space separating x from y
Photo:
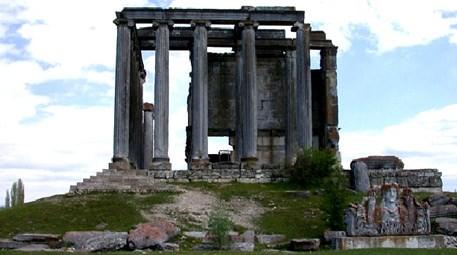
x=397 y=81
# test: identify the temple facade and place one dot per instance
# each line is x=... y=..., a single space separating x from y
x=263 y=95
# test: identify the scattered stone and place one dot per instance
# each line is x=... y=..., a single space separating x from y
x=10 y=244
x=270 y=239
x=96 y=240
x=34 y=247
x=299 y=193
x=443 y=211
x=152 y=235
x=195 y=234
x=248 y=236
x=170 y=247
x=330 y=235
x=438 y=199
x=101 y=226
x=360 y=175
x=304 y=244
x=36 y=238
x=446 y=226
x=242 y=246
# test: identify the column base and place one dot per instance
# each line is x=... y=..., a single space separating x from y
x=200 y=164
x=249 y=163
x=160 y=164
x=120 y=164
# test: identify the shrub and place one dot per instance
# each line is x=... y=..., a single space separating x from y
x=336 y=199
x=312 y=166
x=219 y=225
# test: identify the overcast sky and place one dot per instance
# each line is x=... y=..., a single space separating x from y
x=397 y=84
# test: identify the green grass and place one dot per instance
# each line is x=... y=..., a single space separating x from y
x=288 y=214
x=346 y=252
x=58 y=214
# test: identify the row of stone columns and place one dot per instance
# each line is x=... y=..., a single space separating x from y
x=299 y=79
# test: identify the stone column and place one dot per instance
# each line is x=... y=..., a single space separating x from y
x=199 y=150
x=328 y=66
x=239 y=125
x=148 y=134
x=122 y=96
x=161 y=160
x=248 y=97
x=304 y=107
x=291 y=141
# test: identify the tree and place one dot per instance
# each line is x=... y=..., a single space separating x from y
x=20 y=192
x=7 y=199
x=13 y=195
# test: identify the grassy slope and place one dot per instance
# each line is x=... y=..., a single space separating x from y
x=289 y=214
x=59 y=214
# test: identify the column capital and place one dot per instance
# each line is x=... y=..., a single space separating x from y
x=332 y=51
x=301 y=26
x=157 y=23
x=148 y=107
x=248 y=24
x=195 y=23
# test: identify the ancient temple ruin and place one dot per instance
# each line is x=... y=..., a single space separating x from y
x=263 y=95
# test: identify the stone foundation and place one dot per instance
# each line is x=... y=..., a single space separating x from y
x=144 y=181
x=425 y=241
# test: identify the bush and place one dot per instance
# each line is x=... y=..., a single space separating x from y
x=336 y=199
x=312 y=166
x=219 y=225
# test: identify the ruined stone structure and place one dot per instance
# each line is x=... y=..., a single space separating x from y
x=263 y=96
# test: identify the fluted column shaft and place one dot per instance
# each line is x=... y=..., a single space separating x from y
x=304 y=107
x=291 y=141
x=148 y=134
x=161 y=92
x=248 y=91
x=200 y=92
x=122 y=94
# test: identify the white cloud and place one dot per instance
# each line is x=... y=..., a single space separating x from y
x=427 y=140
x=391 y=23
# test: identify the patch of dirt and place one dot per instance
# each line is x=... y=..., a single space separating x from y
x=192 y=208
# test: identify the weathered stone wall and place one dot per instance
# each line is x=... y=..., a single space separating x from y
x=428 y=180
x=426 y=241
x=271 y=93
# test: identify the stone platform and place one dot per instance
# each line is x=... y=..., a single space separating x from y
x=144 y=181
x=423 y=241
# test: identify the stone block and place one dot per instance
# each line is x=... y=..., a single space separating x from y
x=304 y=244
x=10 y=244
x=96 y=240
x=242 y=246
x=443 y=211
x=382 y=162
x=446 y=226
x=360 y=175
x=270 y=239
x=424 y=241
x=438 y=199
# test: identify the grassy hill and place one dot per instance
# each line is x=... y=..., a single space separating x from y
x=288 y=210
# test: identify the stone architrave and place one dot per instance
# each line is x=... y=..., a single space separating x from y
x=360 y=174
x=122 y=96
x=161 y=161
x=199 y=147
x=304 y=113
x=148 y=130
x=248 y=91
